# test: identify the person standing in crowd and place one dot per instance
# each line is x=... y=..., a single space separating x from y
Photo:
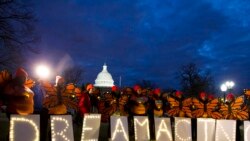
x=157 y=102
x=84 y=101
x=124 y=101
x=138 y=102
x=18 y=96
x=84 y=105
x=93 y=95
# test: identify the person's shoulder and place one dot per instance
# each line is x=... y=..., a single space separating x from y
x=28 y=90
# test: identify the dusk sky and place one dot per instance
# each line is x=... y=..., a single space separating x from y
x=146 y=39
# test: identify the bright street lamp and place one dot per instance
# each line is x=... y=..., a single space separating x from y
x=227 y=86
x=223 y=88
x=42 y=71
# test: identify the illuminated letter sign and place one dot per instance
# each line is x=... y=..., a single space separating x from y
x=119 y=128
x=163 y=129
x=246 y=130
x=91 y=127
x=141 y=126
x=205 y=129
x=225 y=130
x=182 y=129
x=24 y=128
x=61 y=128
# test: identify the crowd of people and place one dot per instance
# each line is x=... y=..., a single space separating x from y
x=129 y=101
x=60 y=98
x=17 y=96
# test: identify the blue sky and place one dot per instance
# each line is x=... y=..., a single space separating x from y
x=146 y=39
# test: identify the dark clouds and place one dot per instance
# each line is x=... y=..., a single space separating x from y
x=148 y=39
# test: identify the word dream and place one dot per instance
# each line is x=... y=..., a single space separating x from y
x=61 y=128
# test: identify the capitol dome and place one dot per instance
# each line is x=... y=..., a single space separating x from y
x=104 y=78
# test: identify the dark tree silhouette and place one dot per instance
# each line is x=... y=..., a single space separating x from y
x=16 y=33
x=73 y=75
x=147 y=84
x=193 y=80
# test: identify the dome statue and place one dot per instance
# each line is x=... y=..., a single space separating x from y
x=104 y=78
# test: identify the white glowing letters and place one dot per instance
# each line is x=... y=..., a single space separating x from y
x=205 y=129
x=91 y=127
x=141 y=126
x=24 y=128
x=182 y=129
x=163 y=129
x=119 y=128
x=61 y=128
x=246 y=130
x=225 y=130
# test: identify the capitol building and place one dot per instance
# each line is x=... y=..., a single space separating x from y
x=104 y=80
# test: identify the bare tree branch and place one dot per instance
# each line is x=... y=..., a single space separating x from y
x=16 y=33
x=74 y=75
x=193 y=81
